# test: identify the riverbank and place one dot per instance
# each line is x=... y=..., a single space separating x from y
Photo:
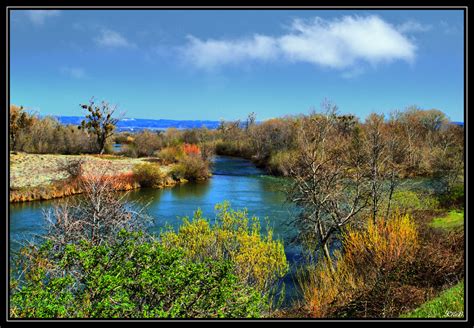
x=438 y=267
x=46 y=176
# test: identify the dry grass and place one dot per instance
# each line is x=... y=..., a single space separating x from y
x=44 y=176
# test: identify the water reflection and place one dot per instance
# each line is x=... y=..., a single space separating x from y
x=196 y=189
x=235 y=180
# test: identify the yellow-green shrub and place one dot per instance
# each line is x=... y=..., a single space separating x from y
x=259 y=260
x=378 y=249
x=170 y=154
x=148 y=175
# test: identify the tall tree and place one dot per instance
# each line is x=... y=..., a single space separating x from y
x=377 y=158
x=329 y=184
x=100 y=122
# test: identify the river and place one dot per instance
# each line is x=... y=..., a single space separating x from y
x=234 y=179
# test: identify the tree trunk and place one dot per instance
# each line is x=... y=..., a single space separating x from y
x=13 y=139
x=325 y=247
x=374 y=194
x=390 y=195
x=101 y=142
x=327 y=255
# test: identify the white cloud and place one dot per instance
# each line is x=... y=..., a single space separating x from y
x=74 y=72
x=212 y=53
x=109 y=38
x=413 y=26
x=339 y=44
x=38 y=17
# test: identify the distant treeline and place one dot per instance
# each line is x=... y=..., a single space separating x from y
x=427 y=143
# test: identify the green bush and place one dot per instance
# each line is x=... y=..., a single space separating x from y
x=192 y=168
x=148 y=175
x=132 y=278
x=259 y=260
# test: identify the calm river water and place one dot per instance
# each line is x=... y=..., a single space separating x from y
x=234 y=179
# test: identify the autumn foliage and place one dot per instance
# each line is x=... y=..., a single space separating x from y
x=368 y=257
x=191 y=149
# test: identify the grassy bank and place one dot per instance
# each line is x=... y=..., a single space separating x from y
x=452 y=220
x=449 y=304
x=46 y=176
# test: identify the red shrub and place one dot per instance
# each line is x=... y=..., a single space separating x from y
x=191 y=149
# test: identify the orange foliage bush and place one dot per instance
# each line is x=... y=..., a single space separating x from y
x=191 y=149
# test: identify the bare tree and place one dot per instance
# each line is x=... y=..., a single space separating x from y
x=96 y=215
x=447 y=157
x=251 y=120
x=397 y=152
x=329 y=183
x=377 y=157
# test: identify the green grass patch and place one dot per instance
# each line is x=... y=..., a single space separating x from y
x=452 y=220
x=449 y=304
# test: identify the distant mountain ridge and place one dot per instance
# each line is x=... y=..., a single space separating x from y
x=137 y=124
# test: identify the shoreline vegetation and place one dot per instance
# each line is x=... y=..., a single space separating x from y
x=45 y=176
x=372 y=246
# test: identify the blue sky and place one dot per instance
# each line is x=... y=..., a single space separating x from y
x=224 y=64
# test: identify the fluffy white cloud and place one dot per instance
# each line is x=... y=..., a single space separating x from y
x=339 y=43
x=212 y=53
x=110 y=38
x=38 y=17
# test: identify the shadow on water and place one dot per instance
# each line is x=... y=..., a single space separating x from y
x=234 y=166
x=195 y=189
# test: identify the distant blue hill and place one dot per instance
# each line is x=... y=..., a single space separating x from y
x=137 y=124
